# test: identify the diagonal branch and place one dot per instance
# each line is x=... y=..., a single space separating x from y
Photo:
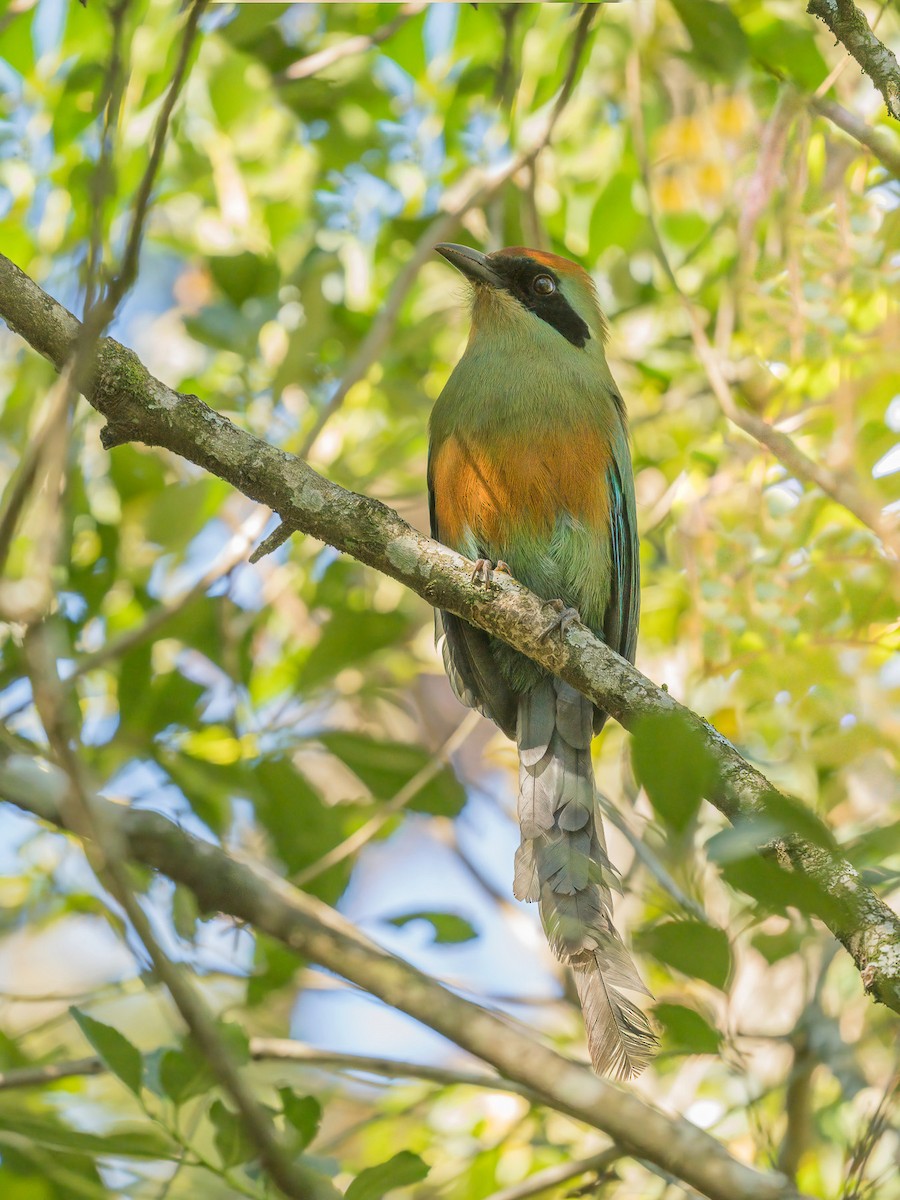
x=139 y=407
x=874 y=140
x=321 y=60
x=551 y=1177
x=850 y=27
x=320 y=934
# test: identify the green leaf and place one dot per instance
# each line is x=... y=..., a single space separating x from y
x=115 y=1050
x=675 y=766
x=130 y=1141
x=448 y=928
x=385 y=767
x=241 y=276
x=301 y=825
x=184 y=1073
x=776 y=946
x=793 y=818
x=615 y=220
x=717 y=39
x=274 y=966
x=786 y=46
x=185 y=912
x=691 y=947
x=686 y=1031
x=230 y=1137
x=777 y=889
x=347 y=639
x=400 y=1171
x=871 y=849
x=222 y=327
x=303 y=1114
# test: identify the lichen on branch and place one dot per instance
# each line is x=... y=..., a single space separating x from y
x=878 y=61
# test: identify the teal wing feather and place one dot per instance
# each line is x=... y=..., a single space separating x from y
x=620 y=625
x=620 y=621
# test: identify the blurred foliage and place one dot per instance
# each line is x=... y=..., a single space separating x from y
x=277 y=708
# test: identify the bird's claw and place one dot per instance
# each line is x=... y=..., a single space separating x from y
x=484 y=570
x=565 y=616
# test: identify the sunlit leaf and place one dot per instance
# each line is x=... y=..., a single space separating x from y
x=302 y=1113
x=449 y=928
x=672 y=761
x=402 y=1170
x=690 y=947
x=116 y=1051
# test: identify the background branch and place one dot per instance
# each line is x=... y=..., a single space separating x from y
x=287 y=1050
x=551 y=1177
x=250 y=893
x=321 y=60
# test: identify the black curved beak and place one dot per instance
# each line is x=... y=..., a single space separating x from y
x=473 y=264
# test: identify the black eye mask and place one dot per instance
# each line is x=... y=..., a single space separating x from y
x=519 y=274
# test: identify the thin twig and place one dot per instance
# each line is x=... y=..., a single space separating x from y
x=39 y=448
x=128 y=269
x=355 y=842
x=312 y=64
x=288 y=1050
x=875 y=141
x=28 y=1077
x=232 y=555
x=271 y=1049
x=103 y=175
x=651 y=861
x=551 y=1177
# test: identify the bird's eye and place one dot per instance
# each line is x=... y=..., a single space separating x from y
x=544 y=285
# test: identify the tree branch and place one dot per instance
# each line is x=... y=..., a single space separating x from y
x=855 y=127
x=249 y=892
x=551 y=1177
x=139 y=407
x=272 y=1049
x=321 y=60
x=851 y=28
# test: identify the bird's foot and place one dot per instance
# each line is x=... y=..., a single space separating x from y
x=565 y=616
x=484 y=570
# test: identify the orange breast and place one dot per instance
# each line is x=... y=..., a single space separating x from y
x=512 y=485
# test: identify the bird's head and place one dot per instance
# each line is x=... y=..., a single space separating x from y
x=529 y=296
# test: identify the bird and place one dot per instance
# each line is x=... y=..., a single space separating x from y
x=529 y=472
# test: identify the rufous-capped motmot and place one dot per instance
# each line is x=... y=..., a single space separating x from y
x=529 y=466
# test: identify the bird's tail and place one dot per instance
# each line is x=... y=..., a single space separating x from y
x=562 y=862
